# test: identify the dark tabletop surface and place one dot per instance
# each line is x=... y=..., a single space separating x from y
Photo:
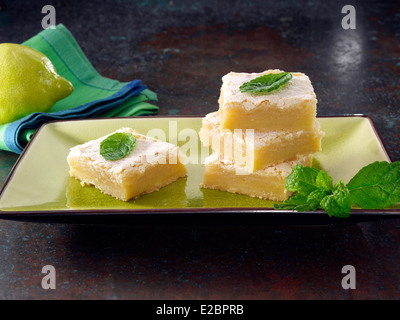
x=181 y=49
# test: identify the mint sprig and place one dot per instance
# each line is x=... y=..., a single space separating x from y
x=266 y=83
x=376 y=186
x=117 y=146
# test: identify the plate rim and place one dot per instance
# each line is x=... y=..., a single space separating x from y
x=4 y=214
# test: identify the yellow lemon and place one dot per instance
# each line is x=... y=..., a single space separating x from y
x=28 y=82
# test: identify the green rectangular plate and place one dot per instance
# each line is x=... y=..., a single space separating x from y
x=39 y=186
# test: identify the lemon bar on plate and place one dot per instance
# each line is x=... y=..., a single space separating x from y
x=267 y=183
x=150 y=165
x=259 y=149
x=292 y=107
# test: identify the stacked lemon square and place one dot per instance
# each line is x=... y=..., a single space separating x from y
x=257 y=138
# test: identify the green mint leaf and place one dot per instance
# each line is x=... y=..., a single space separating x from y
x=117 y=145
x=297 y=202
x=376 y=186
x=314 y=198
x=302 y=180
x=324 y=181
x=341 y=192
x=266 y=83
x=338 y=203
x=331 y=207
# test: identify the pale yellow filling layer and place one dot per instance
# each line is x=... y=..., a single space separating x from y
x=269 y=117
x=257 y=150
x=268 y=183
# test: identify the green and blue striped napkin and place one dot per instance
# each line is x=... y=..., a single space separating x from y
x=94 y=96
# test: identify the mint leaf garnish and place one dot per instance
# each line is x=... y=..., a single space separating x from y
x=117 y=145
x=314 y=198
x=338 y=203
x=324 y=181
x=266 y=83
x=376 y=186
x=302 y=180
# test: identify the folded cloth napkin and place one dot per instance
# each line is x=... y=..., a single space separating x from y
x=94 y=96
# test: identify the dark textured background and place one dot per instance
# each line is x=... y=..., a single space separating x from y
x=180 y=49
